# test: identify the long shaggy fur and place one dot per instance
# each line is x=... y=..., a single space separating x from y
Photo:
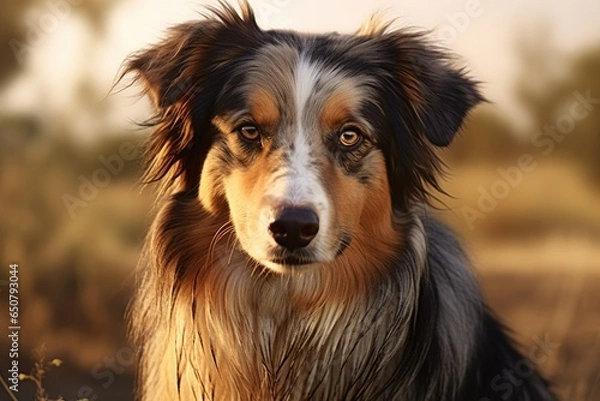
x=396 y=315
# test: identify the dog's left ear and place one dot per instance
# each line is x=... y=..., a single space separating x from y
x=426 y=100
x=438 y=94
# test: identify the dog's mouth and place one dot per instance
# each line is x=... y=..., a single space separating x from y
x=292 y=261
x=284 y=257
x=299 y=258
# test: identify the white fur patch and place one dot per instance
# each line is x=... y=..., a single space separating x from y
x=305 y=78
x=299 y=183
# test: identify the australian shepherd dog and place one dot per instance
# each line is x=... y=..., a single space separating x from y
x=292 y=257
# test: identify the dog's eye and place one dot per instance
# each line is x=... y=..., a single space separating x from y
x=350 y=138
x=249 y=133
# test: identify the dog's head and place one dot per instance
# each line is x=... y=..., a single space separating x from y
x=310 y=143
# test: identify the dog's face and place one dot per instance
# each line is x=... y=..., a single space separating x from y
x=296 y=155
x=311 y=143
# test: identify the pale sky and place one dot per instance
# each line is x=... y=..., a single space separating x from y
x=481 y=32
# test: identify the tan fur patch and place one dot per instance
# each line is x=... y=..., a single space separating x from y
x=376 y=25
x=341 y=105
x=375 y=239
x=264 y=108
x=335 y=110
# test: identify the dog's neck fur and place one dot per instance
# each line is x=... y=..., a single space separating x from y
x=253 y=335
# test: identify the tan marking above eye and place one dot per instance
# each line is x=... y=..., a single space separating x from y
x=263 y=108
x=336 y=110
x=349 y=138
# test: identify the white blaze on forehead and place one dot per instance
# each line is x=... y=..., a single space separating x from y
x=305 y=78
x=304 y=183
x=298 y=183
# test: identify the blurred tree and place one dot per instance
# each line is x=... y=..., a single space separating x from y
x=488 y=137
x=11 y=27
x=583 y=144
x=96 y=11
x=17 y=31
x=561 y=93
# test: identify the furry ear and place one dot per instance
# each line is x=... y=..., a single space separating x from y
x=426 y=100
x=191 y=51
x=184 y=75
x=162 y=69
x=439 y=94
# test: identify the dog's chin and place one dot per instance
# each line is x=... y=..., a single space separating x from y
x=280 y=260
x=285 y=262
x=289 y=265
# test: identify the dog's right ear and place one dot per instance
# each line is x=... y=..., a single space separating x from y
x=183 y=75
x=161 y=69
x=179 y=65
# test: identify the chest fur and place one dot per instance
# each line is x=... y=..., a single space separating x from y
x=269 y=347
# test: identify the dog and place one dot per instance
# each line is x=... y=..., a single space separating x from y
x=293 y=256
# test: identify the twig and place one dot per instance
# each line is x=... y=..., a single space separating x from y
x=8 y=390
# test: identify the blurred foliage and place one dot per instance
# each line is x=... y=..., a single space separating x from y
x=562 y=192
x=547 y=93
x=490 y=138
x=486 y=139
x=16 y=24
x=11 y=27
x=66 y=260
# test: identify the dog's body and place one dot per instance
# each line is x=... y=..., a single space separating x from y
x=292 y=259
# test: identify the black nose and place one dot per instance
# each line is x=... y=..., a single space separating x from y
x=294 y=227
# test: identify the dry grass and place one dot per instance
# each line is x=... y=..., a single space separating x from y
x=37 y=375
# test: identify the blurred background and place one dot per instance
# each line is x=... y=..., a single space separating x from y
x=524 y=175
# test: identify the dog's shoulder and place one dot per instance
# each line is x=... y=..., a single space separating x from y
x=470 y=338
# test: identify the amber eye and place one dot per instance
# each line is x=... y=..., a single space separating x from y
x=249 y=133
x=350 y=138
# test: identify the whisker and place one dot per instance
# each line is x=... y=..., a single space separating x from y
x=233 y=243
x=225 y=229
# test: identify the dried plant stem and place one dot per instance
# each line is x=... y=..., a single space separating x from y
x=5 y=385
